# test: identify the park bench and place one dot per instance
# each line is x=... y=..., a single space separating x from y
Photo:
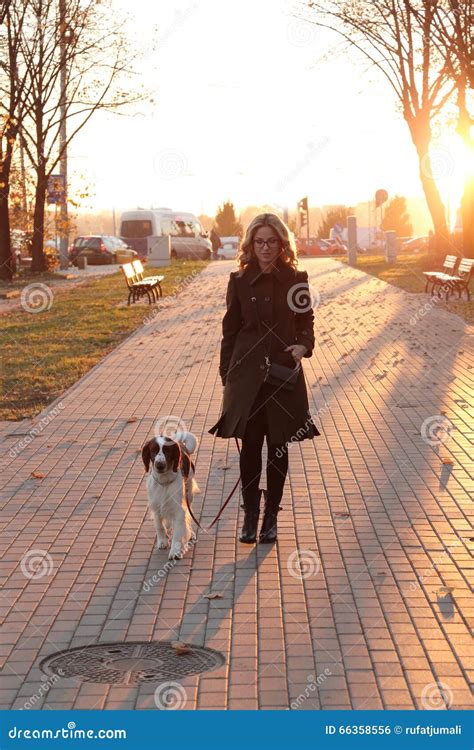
x=140 y=276
x=141 y=287
x=434 y=277
x=460 y=280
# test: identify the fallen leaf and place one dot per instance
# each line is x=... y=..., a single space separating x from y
x=180 y=648
x=37 y=475
x=213 y=595
x=446 y=461
x=132 y=419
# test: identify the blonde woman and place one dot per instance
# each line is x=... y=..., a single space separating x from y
x=268 y=324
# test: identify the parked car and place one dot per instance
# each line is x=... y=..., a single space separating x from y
x=415 y=245
x=229 y=249
x=319 y=247
x=188 y=238
x=100 y=249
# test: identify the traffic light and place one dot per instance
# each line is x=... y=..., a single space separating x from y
x=303 y=211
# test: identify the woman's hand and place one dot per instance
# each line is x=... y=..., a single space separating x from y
x=297 y=351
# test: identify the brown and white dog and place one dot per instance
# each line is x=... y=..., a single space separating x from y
x=171 y=476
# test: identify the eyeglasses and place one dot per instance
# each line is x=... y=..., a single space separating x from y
x=272 y=243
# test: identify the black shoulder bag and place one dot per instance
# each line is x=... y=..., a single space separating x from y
x=275 y=374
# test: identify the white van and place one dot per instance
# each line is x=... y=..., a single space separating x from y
x=229 y=249
x=188 y=238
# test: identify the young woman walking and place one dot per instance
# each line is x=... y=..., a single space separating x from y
x=266 y=331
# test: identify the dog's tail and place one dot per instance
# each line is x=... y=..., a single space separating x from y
x=195 y=487
x=187 y=438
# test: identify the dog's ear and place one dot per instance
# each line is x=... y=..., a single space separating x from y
x=186 y=464
x=177 y=456
x=146 y=454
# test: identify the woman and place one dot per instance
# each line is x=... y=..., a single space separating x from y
x=269 y=319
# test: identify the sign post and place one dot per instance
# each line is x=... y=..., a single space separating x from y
x=352 y=240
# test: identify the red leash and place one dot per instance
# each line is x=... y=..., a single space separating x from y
x=222 y=508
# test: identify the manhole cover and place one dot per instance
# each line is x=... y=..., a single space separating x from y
x=131 y=663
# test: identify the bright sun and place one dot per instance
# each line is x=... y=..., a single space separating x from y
x=452 y=161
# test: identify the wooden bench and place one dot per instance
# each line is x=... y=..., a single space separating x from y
x=140 y=276
x=434 y=276
x=138 y=288
x=460 y=280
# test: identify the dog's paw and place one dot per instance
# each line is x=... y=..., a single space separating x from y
x=176 y=552
x=175 y=556
x=162 y=544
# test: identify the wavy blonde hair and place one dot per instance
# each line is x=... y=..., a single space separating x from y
x=288 y=249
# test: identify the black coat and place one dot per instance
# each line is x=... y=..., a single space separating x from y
x=242 y=359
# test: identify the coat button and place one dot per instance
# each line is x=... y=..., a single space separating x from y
x=262 y=367
x=267 y=299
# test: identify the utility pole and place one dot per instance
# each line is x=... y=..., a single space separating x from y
x=63 y=213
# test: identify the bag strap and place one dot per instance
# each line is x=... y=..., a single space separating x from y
x=260 y=331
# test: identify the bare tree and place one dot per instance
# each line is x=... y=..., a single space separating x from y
x=453 y=34
x=71 y=66
x=396 y=36
x=13 y=92
x=4 y=6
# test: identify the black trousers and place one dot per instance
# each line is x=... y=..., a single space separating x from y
x=251 y=455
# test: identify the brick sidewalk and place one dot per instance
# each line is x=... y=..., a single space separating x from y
x=376 y=613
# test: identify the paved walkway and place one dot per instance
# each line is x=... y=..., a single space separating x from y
x=364 y=601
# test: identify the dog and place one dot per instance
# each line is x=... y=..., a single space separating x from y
x=171 y=476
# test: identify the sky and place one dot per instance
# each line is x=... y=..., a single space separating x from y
x=249 y=103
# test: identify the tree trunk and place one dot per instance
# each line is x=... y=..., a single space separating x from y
x=37 y=249
x=436 y=209
x=420 y=131
x=463 y=128
x=467 y=214
x=6 y=260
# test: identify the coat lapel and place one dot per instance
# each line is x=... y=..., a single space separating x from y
x=281 y=271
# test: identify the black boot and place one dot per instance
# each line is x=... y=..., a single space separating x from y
x=269 y=530
x=251 y=506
